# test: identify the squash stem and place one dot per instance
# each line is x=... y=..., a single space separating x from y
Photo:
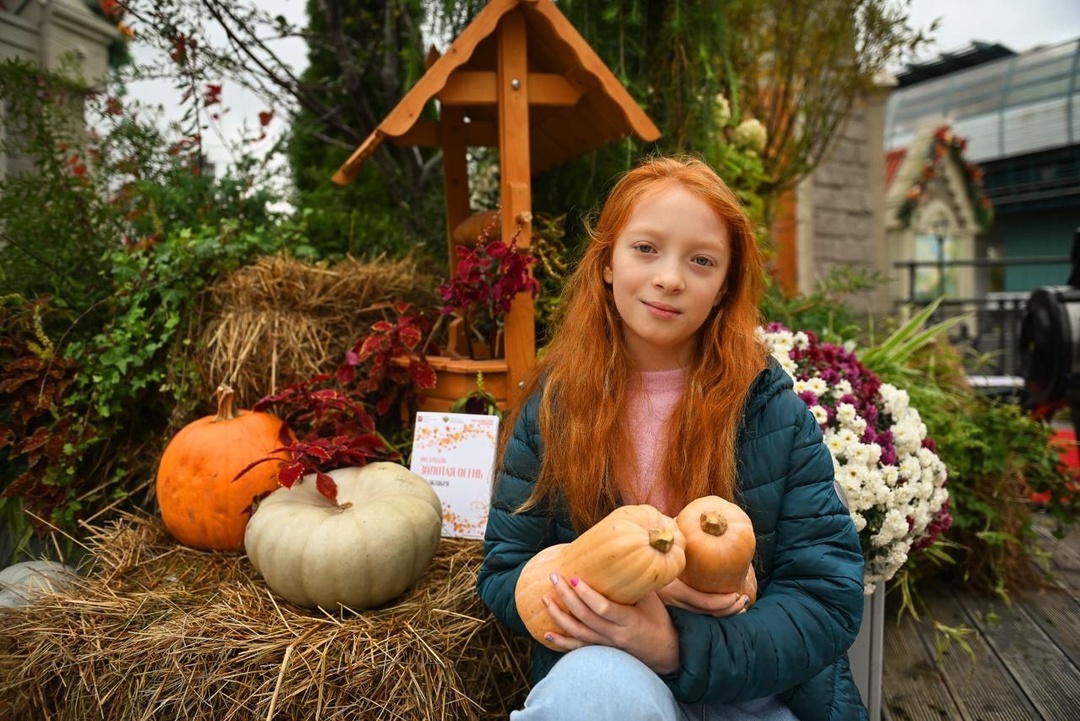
x=713 y=523
x=225 y=399
x=661 y=539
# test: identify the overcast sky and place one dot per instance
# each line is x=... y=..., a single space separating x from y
x=1018 y=24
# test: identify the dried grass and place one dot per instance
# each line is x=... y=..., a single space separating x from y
x=280 y=320
x=155 y=630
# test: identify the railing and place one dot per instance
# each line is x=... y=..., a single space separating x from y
x=992 y=338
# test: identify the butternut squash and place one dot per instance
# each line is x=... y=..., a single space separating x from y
x=633 y=551
x=720 y=545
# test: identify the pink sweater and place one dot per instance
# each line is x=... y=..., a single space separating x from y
x=649 y=413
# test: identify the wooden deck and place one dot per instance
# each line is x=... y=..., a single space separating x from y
x=1027 y=652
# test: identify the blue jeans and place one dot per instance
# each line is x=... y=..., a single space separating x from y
x=598 y=683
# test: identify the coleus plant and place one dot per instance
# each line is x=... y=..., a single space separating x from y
x=374 y=363
x=487 y=278
x=334 y=416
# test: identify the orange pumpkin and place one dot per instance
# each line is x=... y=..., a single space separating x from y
x=720 y=545
x=632 y=551
x=201 y=505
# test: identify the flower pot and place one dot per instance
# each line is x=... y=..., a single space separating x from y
x=456 y=378
x=866 y=654
x=459 y=344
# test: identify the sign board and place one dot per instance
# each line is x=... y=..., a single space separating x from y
x=455 y=453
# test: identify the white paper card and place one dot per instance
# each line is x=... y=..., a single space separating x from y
x=455 y=453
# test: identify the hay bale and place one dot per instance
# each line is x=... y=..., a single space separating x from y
x=156 y=630
x=280 y=320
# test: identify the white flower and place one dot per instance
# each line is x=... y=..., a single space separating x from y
x=721 y=111
x=894 y=499
x=750 y=134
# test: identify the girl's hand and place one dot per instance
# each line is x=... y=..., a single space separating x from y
x=644 y=630
x=679 y=594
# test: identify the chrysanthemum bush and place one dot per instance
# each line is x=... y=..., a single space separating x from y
x=889 y=471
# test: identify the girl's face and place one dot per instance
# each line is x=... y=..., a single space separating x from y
x=667 y=272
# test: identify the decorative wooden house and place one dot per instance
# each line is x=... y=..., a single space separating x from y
x=935 y=208
x=522 y=79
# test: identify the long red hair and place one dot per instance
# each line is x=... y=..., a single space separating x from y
x=585 y=369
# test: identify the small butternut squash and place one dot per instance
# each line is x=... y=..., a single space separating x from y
x=720 y=545
x=633 y=551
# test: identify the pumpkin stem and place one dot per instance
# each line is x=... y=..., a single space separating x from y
x=225 y=409
x=661 y=539
x=713 y=523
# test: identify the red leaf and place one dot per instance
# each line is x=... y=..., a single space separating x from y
x=371 y=345
x=179 y=50
x=212 y=96
x=265 y=117
x=314 y=449
x=410 y=336
x=31 y=444
x=346 y=373
x=290 y=473
x=326 y=486
x=422 y=374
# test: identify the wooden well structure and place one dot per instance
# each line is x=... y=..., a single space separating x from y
x=522 y=79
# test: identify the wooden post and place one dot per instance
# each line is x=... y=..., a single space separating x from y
x=514 y=191
x=455 y=173
x=786 y=240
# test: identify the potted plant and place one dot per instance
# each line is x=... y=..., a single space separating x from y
x=488 y=276
x=477 y=299
x=888 y=473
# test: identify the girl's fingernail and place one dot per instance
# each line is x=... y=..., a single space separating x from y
x=549 y=638
x=746 y=600
x=554 y=579
x=573 y=581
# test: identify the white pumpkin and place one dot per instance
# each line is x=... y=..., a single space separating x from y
x=366 y=550
x=23 y=583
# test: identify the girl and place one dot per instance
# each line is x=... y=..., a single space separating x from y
x=656 y=389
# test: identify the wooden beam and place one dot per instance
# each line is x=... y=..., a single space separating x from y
x=455 y=174
x=424 y=134
x=351 y=168
x=786 y=239
x=479 y=88
x=515 y=189
x=427 y=134
x=407 y=112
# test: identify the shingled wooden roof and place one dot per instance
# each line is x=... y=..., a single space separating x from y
x=576 y=104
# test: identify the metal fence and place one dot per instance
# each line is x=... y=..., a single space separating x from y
x=991 y=338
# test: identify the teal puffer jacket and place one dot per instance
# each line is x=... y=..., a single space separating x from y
x=793 y=641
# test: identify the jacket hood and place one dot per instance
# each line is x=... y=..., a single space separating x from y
x=770 y=382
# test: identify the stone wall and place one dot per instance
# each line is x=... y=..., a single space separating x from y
x=841 y=223
x=61 y=35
